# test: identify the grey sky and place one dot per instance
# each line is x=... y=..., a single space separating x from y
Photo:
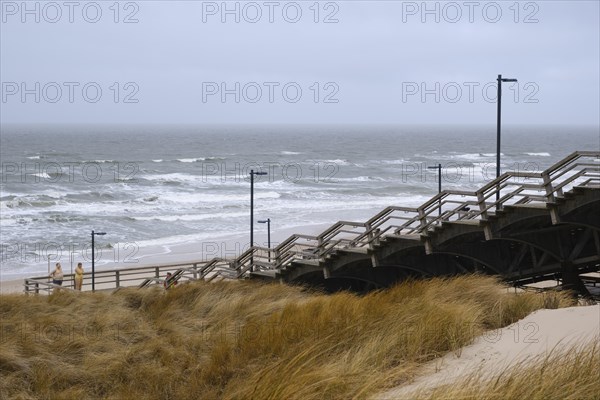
x=369 y=67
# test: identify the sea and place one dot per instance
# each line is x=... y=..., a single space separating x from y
x=154 y=188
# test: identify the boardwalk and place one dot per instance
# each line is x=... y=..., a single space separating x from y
x=543 y=225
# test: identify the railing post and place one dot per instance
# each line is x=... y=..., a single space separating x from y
x=277 y=258
x=484 y=215
x=370 y=236
x=547 y=182
x=320 y=243
x=550 y=198
x=422 y=221
x=195 y=271
x=118 y=279
x=157 y=272
x=482 y=206
x=37 y=288
x=423 y=231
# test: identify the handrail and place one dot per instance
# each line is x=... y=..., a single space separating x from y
x=422 y=219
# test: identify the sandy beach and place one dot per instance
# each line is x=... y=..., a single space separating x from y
x=12 y=286
x=224 y=247
x=538 y=334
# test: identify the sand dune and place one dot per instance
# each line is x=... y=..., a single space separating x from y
x=492 y=353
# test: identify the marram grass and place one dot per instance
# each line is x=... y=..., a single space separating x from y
x=243 y=340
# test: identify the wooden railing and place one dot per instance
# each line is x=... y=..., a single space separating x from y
x=113 y=279
x=581 y=168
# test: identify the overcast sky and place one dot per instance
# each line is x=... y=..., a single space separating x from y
x=299 y=62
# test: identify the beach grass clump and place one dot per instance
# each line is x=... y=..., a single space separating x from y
x=244 y=340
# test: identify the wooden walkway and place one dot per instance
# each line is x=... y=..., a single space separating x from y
x=521 y=236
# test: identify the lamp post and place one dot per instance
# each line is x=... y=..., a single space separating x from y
x=252 y=173
x=93 y=259
x=268 y=222
x=439 y=168
x=498 y=124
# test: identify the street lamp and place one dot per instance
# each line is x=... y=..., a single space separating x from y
x=93 y=258
x=498 y=123
x=439 y=168
x=252 y=173
x=268 y=222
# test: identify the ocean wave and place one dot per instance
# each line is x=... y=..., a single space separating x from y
x=337 y=161
x=392 y=162
x=225 y=180
x=58 y=218
x=157 y=161
x=23 y=202
x=290 y=153
x=176 y=178
x=474 y=156
x=45 y=175
x=52 y=194
x=182 y=217
x=359 y=179
x=102 y=195
x=199 y=159
x=190 y=160
x=221 y=198
x=543 y=154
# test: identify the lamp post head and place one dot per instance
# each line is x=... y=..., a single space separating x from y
x=258 y=173
x=264 y=221
x=99 y=233
x=508 y=80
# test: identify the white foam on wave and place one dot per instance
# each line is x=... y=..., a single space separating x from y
x=290 y=153
x=228 y=180
x=174 y=177
x=220 y=198
x=474 y=156
x=543 y=154
x=34 y=157
x=392 y=162
x=53 y=194
x=5 y=222
x=190 y=217
x=42 y=175
x=336 y=161
x=358 y=179
x=174 y=218
x=190 y=160
x=157 y=160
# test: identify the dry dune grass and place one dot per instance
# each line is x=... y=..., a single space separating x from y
x=244 y=340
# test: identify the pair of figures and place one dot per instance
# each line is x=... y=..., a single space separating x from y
x=58 y=276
